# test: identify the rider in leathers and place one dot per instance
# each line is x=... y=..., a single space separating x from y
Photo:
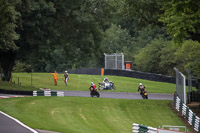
x=141 y=88
x=92 y=88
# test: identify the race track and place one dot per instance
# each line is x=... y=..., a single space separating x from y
x=120 y=95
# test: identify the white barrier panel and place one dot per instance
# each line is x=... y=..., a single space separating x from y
x=184 y=110
x=189 y=115
x=177 y=103
x=197 y=122
x=48 y=93
x=142 y=128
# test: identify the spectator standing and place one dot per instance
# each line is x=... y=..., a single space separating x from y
x=66 y=76
x=55 y=77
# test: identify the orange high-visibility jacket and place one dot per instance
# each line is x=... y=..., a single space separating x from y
x=55 y=75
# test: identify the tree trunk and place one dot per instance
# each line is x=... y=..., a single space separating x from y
x=7 y=61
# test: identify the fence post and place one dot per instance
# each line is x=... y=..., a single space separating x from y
x=199 y=126
x=187 y=112
x=18 y=86
x=193 y=119
x=31 y=79
x=175 y=96
x=181 y=106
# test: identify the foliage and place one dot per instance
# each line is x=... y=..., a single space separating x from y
x=143 y=13
x=150 y=33
x=140 y=18
x=162 y=56
x=117 y=40
x=153 y=57
x=21 y=67
x=8 y=24
x=188 y=57
x=49 y=35
x=65 y=34
x=167 y=58
x=36 y=18
x=182 y=19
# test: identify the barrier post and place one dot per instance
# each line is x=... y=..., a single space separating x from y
x=102 y=71
x=193 y=119
x=187 y=112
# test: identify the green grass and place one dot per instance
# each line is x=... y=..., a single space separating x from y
x=89 y=115
x=82 y=83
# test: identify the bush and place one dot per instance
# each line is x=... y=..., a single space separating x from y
x=21 y=67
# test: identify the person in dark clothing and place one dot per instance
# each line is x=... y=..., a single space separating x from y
x=66 y=76
x=141 y=88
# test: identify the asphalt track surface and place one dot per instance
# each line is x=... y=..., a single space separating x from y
x=9 y=124
x=120 y=95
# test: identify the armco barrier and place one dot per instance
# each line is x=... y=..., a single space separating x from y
x=16 y=92
x=139 y=128
x=187 y=113
x=48 y=93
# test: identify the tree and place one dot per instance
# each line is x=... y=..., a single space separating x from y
x=156 y=57
x=181 y=18
x=167 y=58
x=142 y=14
x=84 y=22
x=68 y=30
x=188 y=57
x=140 y=18
x=8 y=35
x=38 y=33
x=117 y=40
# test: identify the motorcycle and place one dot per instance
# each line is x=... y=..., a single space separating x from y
x=107 y=86
x=94 y=93
x=144 y=94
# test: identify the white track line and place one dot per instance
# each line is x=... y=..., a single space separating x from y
x=22 y=124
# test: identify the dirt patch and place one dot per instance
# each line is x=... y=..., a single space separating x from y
x=195 y=107
x=185 y=121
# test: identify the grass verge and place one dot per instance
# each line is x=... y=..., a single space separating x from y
x=82 y=82
x=89 y=115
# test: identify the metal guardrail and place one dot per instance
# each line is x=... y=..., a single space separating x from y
x=187 y=113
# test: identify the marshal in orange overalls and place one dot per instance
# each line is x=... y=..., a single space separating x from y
x=55 y=77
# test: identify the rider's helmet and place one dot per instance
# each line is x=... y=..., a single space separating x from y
x=92 y=83
x=140 y=84
x=66 y=71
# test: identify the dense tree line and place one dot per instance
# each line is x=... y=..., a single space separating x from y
x=48 y=35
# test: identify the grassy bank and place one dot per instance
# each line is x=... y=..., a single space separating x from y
x=88 y=115
x=82 y=82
